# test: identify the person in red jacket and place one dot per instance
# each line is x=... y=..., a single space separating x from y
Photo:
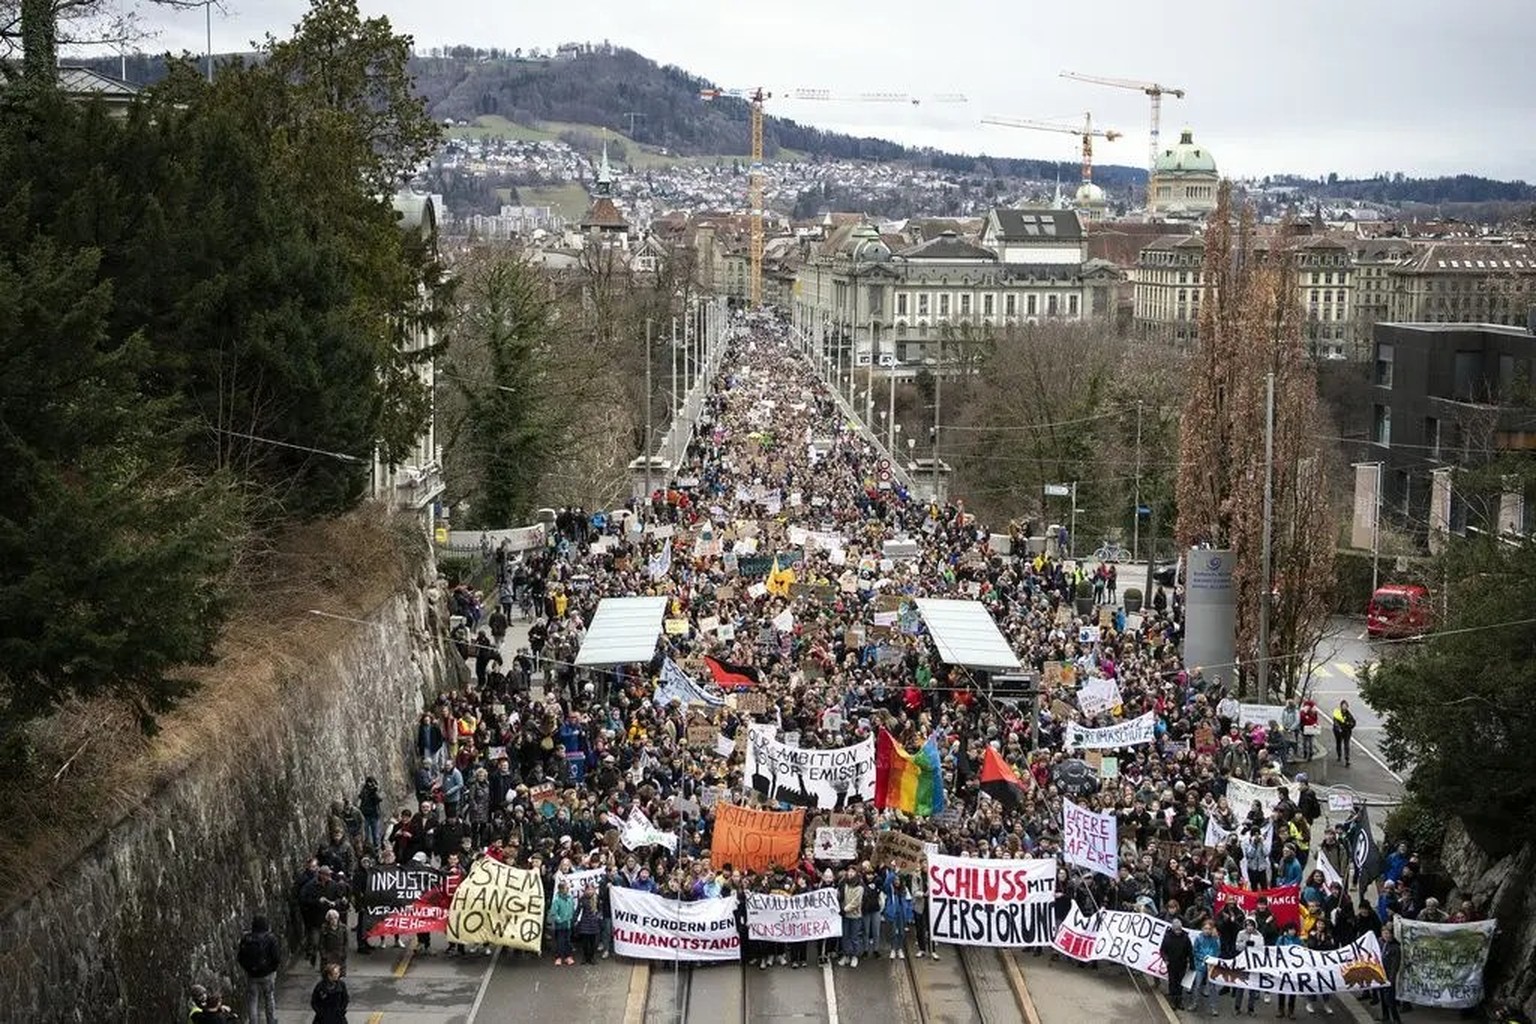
x=1309 y=728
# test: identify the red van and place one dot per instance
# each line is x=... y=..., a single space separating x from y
x=1398 y=610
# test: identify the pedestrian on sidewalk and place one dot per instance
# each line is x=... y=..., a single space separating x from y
x=259 y=957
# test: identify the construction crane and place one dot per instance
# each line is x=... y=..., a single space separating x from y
x=755 y=98
x=1087 y=133
x=1156 y=92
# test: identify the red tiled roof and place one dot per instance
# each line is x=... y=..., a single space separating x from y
x=604 y=214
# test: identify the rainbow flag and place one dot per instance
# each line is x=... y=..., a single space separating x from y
x=908 y=782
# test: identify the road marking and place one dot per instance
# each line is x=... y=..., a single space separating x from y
x=404 y=963
x=1347 y=669
x=485 y=983
x=831 y=991
x=1372 y=755
x=639 y=986
x=375 y=1017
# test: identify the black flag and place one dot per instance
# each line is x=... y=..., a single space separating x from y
x=1363 y=851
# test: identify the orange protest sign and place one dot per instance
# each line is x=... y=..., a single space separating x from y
x=756 y=840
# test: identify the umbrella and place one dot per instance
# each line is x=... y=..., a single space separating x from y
x=1075 y=777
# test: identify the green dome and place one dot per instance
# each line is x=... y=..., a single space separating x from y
x=1185 y=157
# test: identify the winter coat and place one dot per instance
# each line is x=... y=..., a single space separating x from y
x=479 y=802
x=1176 y=949
x=589 y=919
x=561 y=910
x=329 y=1001
x=1206 y=949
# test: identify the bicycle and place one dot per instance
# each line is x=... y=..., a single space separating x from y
x=1111 y=552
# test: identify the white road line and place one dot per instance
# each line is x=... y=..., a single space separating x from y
x=485 y=983
x=831 y=990
x=1372 y=755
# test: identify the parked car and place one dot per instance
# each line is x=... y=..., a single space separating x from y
x=1399 y=610
x=1166 y=574
x=888 y=359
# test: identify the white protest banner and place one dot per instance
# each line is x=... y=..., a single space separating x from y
x=826 y=779
x=1297 y=970
x=651 y=927
x=1241 y=796
x=1341 y=803
x=1122 y=734
x=1215 y=835
x=1442 y=963
x=1133 y=940
x=1097 y=695
x=1260 y=714
x=725 y=746
x=976 y=902
x=675 y=685
x=1089 y=839
x=639 y=832
x=834 y=843
x=808 y=916
x=1330 y=873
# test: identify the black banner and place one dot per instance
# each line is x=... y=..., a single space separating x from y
x=392 y=887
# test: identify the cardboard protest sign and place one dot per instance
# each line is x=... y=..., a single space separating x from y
x=829 y=779
x=1005 y=903
x=898 y=848
x=836 y=844
x=756 y=840
x=755 y=703
x=1443 y=963
x=498 y=904
x=702 y=734
x=1089 y=839
x=650 y=927
x=811 y=915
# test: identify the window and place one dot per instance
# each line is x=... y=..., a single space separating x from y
x=901 y=303
x=965 y=304
x=1029 y=305
x=1052 y=305
x=1010 y=305
x=922 y=304
x=1381 y=430
x=1506 y=374
x=988 y=302
x=944 y=304
x=1432 y=437
x=1072 y=305
x=1384 y=354
x=1468 y=376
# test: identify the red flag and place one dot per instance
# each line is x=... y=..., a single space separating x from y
x=729 y=676
x=1001 y=782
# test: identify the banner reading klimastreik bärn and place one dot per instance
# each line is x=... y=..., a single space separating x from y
x=650 y=927
x=979 y=902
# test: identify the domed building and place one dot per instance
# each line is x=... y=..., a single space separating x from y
x=1090 y=201
x=1184 y=180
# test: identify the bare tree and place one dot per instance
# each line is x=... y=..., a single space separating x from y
x=1251 y=326
x=37 y=29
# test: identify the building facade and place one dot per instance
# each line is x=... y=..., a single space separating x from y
x=1184 y=181
x=1027 y=266
x=1443 y=396
x=416 y=484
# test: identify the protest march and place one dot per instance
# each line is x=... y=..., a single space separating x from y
x=798 y=776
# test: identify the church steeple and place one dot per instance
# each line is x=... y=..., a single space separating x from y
x=604 y=174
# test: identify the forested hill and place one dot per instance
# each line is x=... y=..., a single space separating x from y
x=600 y=86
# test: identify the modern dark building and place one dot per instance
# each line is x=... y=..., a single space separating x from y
x=1445 y=396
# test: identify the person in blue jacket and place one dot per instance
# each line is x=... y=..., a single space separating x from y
x=1207 y=948
x=898 y=911
x=1286 y=1007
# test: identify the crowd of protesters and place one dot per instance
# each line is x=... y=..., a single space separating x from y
x=535 y=761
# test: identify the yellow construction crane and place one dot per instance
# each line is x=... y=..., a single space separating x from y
x=1087 y=133
x=1156 y=92
x=755 y=98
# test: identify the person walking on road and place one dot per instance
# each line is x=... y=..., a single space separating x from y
x=1176 y=951
x=259 y=957
x=329 y=999
x=1343 y=730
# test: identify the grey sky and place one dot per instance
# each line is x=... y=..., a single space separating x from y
x=1310 y=86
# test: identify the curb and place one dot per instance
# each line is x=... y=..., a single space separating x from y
x=1020 y=989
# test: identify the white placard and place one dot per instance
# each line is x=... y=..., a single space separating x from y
x=977 y=902
x=836 y=843
x=827 y=779
x=1089 y=839
x=1123 y=734
x=810 y=915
